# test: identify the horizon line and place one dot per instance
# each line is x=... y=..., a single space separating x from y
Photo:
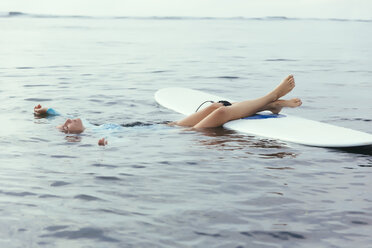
x=12 y=14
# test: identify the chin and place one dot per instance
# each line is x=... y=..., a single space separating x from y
x=76 y=131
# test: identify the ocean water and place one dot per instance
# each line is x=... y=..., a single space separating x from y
x=161 y=186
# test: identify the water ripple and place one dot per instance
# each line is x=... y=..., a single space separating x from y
x=104 y=165
x=280 y=60
x=38 y=99
x=55 y=228
x=87 y=197
x=83 y=233
x=281 y=235
x=214 y=235
x=228 y=77
x=59 y=184
x=25 y=193
x=108 y=178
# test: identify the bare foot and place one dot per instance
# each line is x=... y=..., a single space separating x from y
x=279 y=104
x=283 y=88
x=102 y=142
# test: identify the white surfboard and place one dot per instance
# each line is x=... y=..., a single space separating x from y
x=282 y=127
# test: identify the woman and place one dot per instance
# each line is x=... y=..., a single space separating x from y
x=214 y=115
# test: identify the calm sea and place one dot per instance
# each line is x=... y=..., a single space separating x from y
x=161 y=186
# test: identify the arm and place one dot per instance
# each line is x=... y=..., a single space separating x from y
x=40 y=111
x=102 y=142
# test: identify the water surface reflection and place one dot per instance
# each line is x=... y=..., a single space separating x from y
x=229 y=140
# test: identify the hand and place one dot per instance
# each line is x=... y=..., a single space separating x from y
x=39 y=110
x=102 y=142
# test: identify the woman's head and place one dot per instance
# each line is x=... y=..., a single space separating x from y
x=72 y=126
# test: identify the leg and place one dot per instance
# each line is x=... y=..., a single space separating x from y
x=276 y=107
x=193 y=119
x=246 y=108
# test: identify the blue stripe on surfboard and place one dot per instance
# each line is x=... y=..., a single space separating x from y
x=264 y=116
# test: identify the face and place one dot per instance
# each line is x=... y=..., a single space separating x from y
x=72 y=126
